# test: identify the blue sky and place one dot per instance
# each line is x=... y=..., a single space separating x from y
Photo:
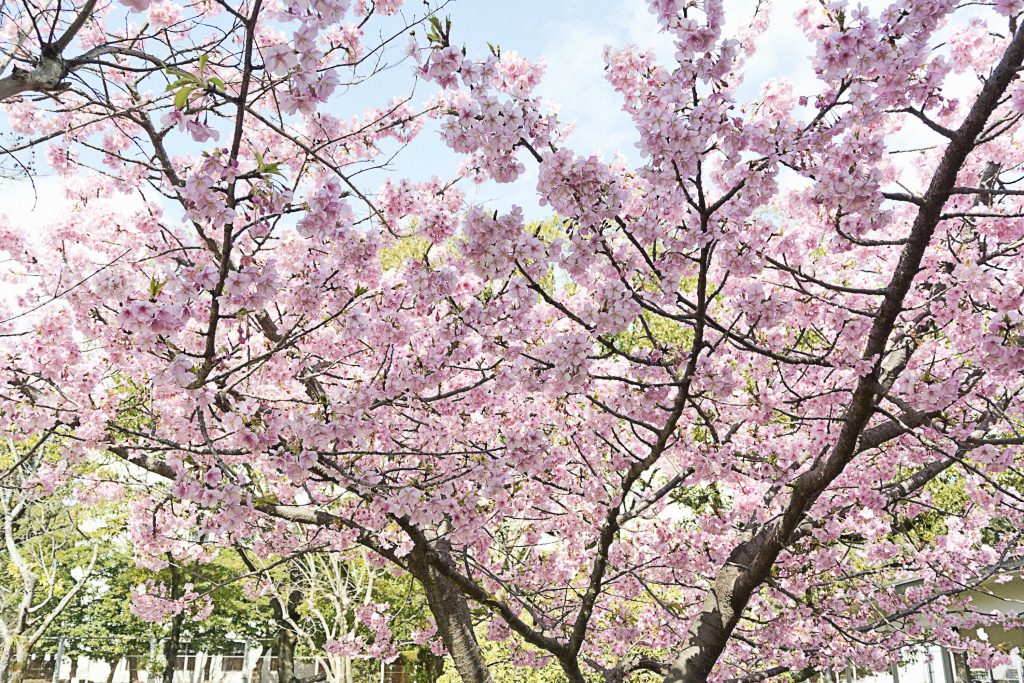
x=569 y=35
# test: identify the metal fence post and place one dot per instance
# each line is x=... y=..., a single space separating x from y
x=60 y=656
x=246 y=674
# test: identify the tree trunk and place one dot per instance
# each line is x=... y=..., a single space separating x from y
x=73 y=672
x=286 y=615
x=961 y=667
x=173 y=642
x=451 y=613
x=113 y=670
x=133 y=669
x=16 y=665
x=5 y=664
x=171 y=646
x=286 y=634
x=285 y=655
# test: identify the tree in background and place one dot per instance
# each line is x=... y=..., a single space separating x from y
x=100 y=625
x=348 y=615
x=691 y=432
x=49 y=548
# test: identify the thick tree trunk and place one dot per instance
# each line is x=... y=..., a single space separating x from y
x=133 y=669
x=751 y=562
x=12 y=670
x=451 y=613
x=285 y=655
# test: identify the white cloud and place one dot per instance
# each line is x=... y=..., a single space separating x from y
x=575 y=71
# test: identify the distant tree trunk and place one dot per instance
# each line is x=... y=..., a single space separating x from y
x=173 y=641
x=113 y=669
x=171 y=647
x=133 y=669
x=206 y=668
x=73 y=672
x=285 y=650
x=961 y=667
x=286 y=613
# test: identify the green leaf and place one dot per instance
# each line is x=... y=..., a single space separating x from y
x=155 y=287
x=181 y=97
x=273 y=169
x=178 y=83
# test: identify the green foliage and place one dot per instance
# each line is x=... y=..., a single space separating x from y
x=100 y=625
x=267 y=168
x=439 y=34
x=235 y=617
x=186 y=83
x=498 y=656
x=413 y=247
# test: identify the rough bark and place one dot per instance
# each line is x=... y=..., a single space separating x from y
x=46 y=76
x=6 y=660
x=451 y=612
x=285 y=651
x=14 y=663
x=751 y=562
x=50 y=69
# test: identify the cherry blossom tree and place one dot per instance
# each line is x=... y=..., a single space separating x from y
x=748 y=408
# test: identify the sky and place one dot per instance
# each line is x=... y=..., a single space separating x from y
x=569 y=36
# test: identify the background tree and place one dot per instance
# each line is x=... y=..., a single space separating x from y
x=99 y=625
x=348 y=615
x=48 y=551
